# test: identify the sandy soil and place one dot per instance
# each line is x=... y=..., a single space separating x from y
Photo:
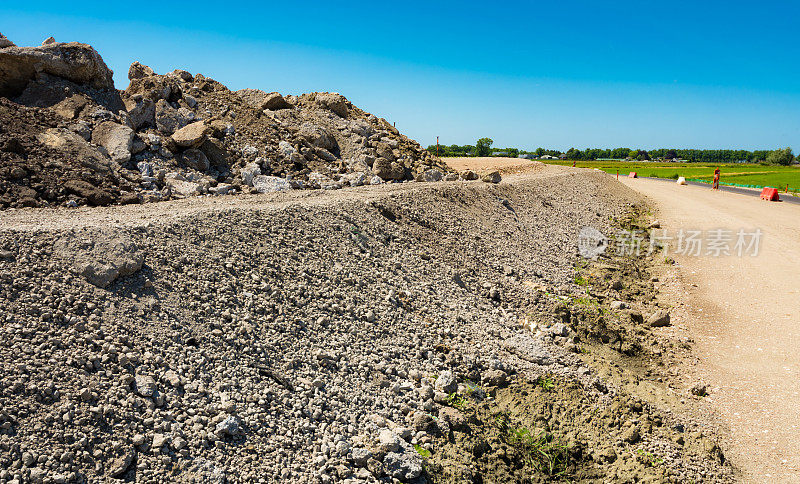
x=503 y=165
x=744 y=314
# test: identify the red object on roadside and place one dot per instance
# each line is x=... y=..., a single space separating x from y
x=633 y=175
x=770 y=194
x=715 y=185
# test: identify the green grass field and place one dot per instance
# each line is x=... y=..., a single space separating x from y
x=733 y=174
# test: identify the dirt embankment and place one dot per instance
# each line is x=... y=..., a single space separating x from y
x=423 y=333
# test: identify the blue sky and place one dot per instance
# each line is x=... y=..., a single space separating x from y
x=706 y=74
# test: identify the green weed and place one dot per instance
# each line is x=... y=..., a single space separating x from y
x=456 y=401
x=541 y=451
x=425 y=453
x=546 y=383
x=648 y=459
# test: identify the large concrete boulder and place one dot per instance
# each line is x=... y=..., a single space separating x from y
x=116 y=138
x=138 y=71
x=100 y=257
x=319 y=137
x=388 y=170
x=332 y=101
x=4 y=42
x=72 y=61
x=268 y=184
x=191 y=135
x=258 y=99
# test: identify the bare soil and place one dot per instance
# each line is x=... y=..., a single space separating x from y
x=505 y=166
x=742 y=313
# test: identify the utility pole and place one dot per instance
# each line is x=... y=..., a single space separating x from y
x=437 y=146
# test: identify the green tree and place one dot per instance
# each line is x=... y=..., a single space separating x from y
x=780 y=157
x=483 y=146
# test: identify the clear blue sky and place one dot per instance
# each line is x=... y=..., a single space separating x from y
x=705 y=74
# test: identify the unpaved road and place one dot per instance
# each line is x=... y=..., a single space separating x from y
x=744 y=315
x=503 y=165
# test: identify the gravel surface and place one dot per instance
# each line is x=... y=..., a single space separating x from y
x=291 y=337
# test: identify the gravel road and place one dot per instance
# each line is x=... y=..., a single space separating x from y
x=744 y=313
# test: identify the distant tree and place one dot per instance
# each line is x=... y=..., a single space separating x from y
x=780 y=157
x=574 y=154
x=620 y=153
x=642 y=155
x=670 y=154
x=540 y=151
x=483 y=146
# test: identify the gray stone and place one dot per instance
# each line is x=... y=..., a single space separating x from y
x=495 y=378
x=72 y=61
x=181 y=74
x=268 y=184
x=388 y=170
x=404 y=466
x=159 y=440
x=121 y=465
x=116 y=138
x=360 y=456
x=468 y=175
x=229 y=426
x=446 y=382
x=191 y=135
x=4 y=42
x=195 y=159
x=183 y=188
x=432 y=175
x=145 y=385
x=319 y=137
x=168 y=119
x=137 y=71
x=263 y=100
x=250 y=171
x=491 y=177
x=101 y=258
x=659 y=319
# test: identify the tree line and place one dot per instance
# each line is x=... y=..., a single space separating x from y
x=483 y=147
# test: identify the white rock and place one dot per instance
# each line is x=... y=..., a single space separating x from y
x=267 y=184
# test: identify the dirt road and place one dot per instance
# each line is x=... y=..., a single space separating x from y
x=744 y=315
x=506 y=166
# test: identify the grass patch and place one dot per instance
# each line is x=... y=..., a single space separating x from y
x=541 y=452
x=735 y=173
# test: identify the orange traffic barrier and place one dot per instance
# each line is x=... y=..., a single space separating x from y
x=770 y=194
x=632 y=175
